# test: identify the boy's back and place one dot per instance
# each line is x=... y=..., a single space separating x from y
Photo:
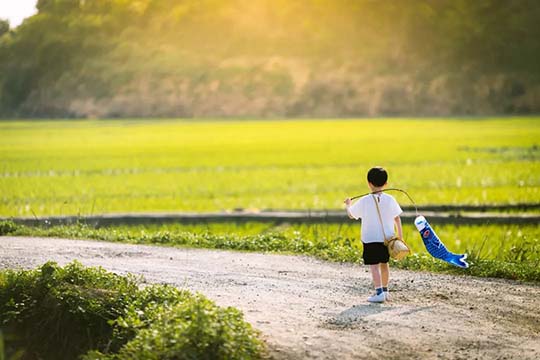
x=366 y=209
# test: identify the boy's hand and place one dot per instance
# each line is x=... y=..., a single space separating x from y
x=347 y=201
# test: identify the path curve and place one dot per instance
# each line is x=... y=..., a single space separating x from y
x=311 y=309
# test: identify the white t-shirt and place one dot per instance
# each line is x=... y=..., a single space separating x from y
x=365 y=209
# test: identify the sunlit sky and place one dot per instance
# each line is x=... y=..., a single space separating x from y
x=17 y=10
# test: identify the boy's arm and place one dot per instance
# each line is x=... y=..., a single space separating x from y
x=397 y=220
x=348 y=203
x=347 y=206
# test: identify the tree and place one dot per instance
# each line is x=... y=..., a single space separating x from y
x=4 y=26
x=58 y=6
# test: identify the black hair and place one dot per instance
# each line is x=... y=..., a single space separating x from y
x=377 y=176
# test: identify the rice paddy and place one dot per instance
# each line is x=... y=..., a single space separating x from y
x=70 y=167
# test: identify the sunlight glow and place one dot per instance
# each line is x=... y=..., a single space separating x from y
x=17 y=10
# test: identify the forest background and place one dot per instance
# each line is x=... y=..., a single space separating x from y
x=271 y=58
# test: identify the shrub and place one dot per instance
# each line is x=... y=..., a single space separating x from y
x=193 y=329
x=7 y=227
x=63 y=313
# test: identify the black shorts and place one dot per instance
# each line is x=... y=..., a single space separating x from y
x=375 y=253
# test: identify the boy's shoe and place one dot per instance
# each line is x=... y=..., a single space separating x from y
x=377 y=298
x=387 y=296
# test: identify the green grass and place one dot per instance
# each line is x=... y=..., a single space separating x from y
x=74 y=312
x=104 y=166
x=93 y=167
x=505 y=251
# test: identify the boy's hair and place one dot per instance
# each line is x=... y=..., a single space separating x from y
x=377 y=176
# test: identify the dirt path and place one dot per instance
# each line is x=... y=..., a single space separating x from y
x=309 y=309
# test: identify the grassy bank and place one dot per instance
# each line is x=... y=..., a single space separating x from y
x=73 y=312
x=503 y=251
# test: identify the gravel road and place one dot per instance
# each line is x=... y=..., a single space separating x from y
x=311 y=309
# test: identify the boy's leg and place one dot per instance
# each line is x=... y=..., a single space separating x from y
x=385 y=275
x=376 y=276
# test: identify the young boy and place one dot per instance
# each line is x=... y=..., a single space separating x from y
x=375 y=252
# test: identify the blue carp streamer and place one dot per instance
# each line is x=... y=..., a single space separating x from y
x=434 y=245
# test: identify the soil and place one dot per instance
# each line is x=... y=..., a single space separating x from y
x=311 y=309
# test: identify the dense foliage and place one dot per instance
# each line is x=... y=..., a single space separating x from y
x=502 y=251
x=113 y=58
x=56 y=312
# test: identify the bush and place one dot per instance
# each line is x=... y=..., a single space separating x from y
x=63 y=313
x=7 y=227
x=194 y=329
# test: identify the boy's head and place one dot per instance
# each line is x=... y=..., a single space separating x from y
x=377 y=176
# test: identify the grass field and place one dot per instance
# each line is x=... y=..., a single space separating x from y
x=91 y=167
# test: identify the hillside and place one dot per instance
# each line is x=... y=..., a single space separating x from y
x=271 y=58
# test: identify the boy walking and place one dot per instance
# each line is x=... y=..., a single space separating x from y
x=368 y=208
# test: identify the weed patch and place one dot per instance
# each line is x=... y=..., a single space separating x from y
x=56 y=312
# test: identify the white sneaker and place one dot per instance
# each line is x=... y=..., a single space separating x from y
x=377 y=298
x=387 y=296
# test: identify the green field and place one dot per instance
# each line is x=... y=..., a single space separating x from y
x=103 y=166
x=94 y=167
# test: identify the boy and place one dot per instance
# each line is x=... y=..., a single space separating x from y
x=375 y=252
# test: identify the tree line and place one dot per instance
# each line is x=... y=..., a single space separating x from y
x=271 y=58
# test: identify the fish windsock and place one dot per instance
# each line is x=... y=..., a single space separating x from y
x=434 y=245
